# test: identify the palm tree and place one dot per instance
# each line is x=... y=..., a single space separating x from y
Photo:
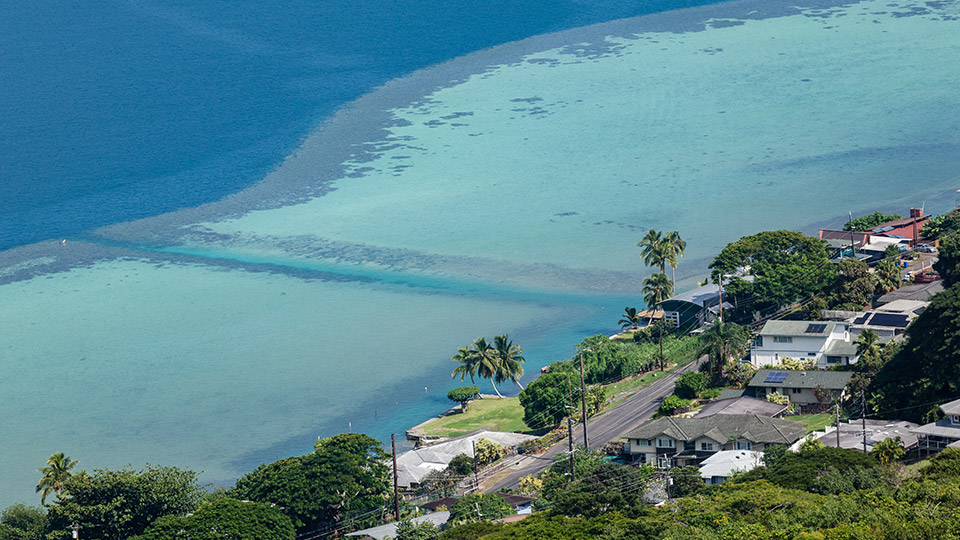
x=55 y=475
x=724 y=342
x=656 y=289
x=656 y=250
x=511 y=358
x=487 y=362
x=630 y=318
x=867 y=344
x=888 y=275
x=468 y=364
x=676 y=246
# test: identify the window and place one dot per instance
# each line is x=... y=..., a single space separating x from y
x=833 y=359
x=782 y=339
x=811 y=354
x=706 y=446
x=665 y=443
x=796 y=390
x=743 y=445
x=665 y=462
x=956 y=419
x=757 y=342
x=643 y=442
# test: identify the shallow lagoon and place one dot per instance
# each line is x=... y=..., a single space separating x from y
x=500 y=192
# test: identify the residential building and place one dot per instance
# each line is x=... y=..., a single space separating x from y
x=693 y=308
x=414 y=465
x=801 y=387
x=520 y=503
x=943 y=433
x=828 y=343
x=889 y=320
x=922 y=291
x=678 y=442
x=719 y=467
x=390 y=529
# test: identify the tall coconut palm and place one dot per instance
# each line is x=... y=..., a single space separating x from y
x=867 y=343
x=511 y=360
x=55 y=475
x=676 y=246
x=468 y=364
x=629 y=319
x=487 y=362
x=724 y=342
x=656 y=289
x=656 y=251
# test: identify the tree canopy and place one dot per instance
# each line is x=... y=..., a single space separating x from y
x=869 y=221
x=463 y=395
x=345 y=476
x=786 y=266
x=222 y=520
x=926 y=369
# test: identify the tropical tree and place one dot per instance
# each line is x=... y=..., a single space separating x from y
x=676 y=246
x=55 y=475
x=488 y=362
x=889 y=450
x=468 y=364
x=656 y=289
x=724 y=342
x=888 y=275
x=630 y=318
x=463 y=395
x=867 y=343
x=510 y=360
x=656 y=250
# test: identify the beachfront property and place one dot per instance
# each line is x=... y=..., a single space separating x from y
x=719 y=467
x=829 y=343
x=521 y=504
x=390 y=529
x=678 y=442
x=852 y=434
x=801 y=387
x=944 y=433
x=695 y=307
x=414 y=465
x=870 y=245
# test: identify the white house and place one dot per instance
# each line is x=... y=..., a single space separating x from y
x=719 y=467
x=829 y=343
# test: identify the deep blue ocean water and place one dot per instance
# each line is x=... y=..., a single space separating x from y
x=118 y=110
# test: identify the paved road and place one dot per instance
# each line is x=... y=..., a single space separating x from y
x=602 y=429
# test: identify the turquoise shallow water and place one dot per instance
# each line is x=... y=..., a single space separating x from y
x=499 y=192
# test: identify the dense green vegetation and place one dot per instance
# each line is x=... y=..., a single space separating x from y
x=869 y=221
x=224 y=519
x=463 y=395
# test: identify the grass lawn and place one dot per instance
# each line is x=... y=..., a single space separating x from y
x=813 y=422
x=494 y=414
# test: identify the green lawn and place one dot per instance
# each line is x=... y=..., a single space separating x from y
x=494 y=414
x=813 y=422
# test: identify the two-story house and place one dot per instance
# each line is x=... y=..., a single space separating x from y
x=802 y=387
x=829 y=343
x=678 y=442
x=943 y=433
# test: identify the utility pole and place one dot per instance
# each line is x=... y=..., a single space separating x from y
x=583 y=404
x=396 y=489
x=570 y=426
x=720 y=306
x=838 y=424
x=476 y=480
x=863 y=421
x=853 y=246
x=76 y=531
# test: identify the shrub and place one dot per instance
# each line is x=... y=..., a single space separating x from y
x=673 y=404
x=690 y=384
x=488 y=451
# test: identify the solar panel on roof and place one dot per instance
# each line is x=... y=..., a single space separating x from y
x=889 y=319
x=776 y=377
x=920 y=310
x=816 y=328
x=861 y=319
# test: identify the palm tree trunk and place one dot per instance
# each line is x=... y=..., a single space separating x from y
x=518 y=384
x=673 y=270
x=495 y=389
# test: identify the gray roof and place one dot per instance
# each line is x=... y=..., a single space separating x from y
x=414 y=465
x=838 y=347
x=831 y=380
x=706 y=295
x=729 y=393
x=741 y=405
x=951 y=407
x=390 y=529
x=851 y=433
x=923 y=291
x=722 y=428
x=796 y=328
x=940 y=428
